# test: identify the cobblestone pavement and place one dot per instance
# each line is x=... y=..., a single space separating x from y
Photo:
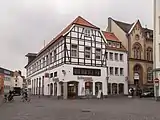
x=108 y=109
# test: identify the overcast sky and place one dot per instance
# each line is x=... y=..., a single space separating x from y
x=25 y=24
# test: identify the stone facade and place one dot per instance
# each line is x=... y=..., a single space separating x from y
x=139 y=43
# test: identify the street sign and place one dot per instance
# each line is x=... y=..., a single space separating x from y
x=156 y=82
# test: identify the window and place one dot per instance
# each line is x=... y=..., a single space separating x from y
x=40 y=64
x=87 y=52
x=137 y=49
x=15 y=80
x=111 y=70
x=116 y=71
x=51 y=75
x=121 y=57
x=106 y=55
x=111 y=56
x=43 y=61
x=51 y=57
x=47 y=61
x=149 y=74
x=149 y=54
x=15 y=84
x=74 y=50
x=98 y=53
x=114 y=44
x=86 y=71
x=137 y=37
x=116 y=56
x=118 y=45
x=55 y=55
x=55 y=74
x=87 y=33
x=110 y=44
x=121 y=71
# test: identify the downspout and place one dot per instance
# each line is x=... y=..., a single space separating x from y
x=128 y=48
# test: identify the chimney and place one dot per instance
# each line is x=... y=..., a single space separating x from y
x=109 y=24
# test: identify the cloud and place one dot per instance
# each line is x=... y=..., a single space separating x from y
x=25 y=24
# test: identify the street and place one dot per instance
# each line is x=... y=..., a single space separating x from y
x=108 y=109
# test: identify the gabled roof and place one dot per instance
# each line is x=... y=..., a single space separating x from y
x=124 y=26
x=110 y=36
x=78 y=21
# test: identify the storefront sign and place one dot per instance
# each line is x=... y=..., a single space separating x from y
x=56 y=79
x=156 y=82
x=85 y=78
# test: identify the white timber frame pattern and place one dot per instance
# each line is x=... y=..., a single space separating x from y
x=80 y=46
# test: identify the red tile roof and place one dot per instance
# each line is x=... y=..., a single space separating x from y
x=78 y=21
x=110 y=36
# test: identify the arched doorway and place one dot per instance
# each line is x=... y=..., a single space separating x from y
x=138 y=75
x=51 y=89
x=121 y=88
x=55 y=89
x=72 y=89
x=114 y=88
x=98 y=86
x=88 y=88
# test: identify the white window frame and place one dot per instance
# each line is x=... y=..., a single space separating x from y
x=88 y=52
x=74 y=51
x=55 y=54
x=116 y=71
x=98 y=53
x=110 y=53
x=116 y=56
x=87 y=32
x=122 y=57
x=121 y=71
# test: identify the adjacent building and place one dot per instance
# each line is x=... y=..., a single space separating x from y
x=5 y=80
x=157 y=46
x=138 y=41
x=117 y=65
x=18 y=82
x=73 y=64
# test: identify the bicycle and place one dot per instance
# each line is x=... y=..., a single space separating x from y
x=25 y=99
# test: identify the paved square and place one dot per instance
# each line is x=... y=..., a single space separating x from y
x=108 y=109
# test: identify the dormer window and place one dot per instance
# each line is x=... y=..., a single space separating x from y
x=114 y=44
x=118 y=45
x=109 y=43
x=87 y=32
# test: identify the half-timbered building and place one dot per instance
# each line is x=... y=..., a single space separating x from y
x=72 y=64
x=117 y=65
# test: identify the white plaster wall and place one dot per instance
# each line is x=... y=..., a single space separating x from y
x=70 y=77
x=120 y=64
x=19 y=82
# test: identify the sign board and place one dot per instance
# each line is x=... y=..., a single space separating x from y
x=136 y=76
x=85 y=78
x=156 y=82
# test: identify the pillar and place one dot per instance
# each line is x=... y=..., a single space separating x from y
x=93 y=88
x=65 y=90
x=117 y=88
x=111 y=89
